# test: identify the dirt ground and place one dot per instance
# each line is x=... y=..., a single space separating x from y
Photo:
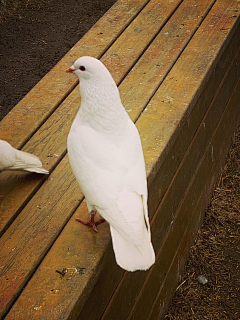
x=35 y=35
x=215 y=254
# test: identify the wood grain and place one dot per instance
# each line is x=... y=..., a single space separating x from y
x=210 y=170
x=124 y=53
x=33 y=110
x=31 y=235
x=166 y=214
x=49 y=142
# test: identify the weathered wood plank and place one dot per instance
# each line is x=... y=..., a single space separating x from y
x=166 y=113
x=207 y=159
x=149 y=72
x=10 y=205
x=31 y=235
x=49 y=143
x=177 y=95
x=30 y=113
x=77 y=247
x=220 y=143
x=136 y=38
x=167 y=164
x=191 y=158
x=162 y=223
x=115 y=310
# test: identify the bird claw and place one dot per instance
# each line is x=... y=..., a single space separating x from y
x=91 y=222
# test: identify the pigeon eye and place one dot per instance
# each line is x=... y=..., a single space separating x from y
x=82 y=68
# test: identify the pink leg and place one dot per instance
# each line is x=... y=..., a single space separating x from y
x=91 y=222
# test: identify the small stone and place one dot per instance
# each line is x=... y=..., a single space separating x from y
x=202 y=279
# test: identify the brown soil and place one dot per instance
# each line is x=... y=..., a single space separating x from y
x=215 y=254
x=35 y=35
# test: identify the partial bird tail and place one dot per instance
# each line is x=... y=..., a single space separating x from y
x=28 y=162
x=129 y=256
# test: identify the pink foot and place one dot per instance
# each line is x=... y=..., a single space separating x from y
x=91 y=222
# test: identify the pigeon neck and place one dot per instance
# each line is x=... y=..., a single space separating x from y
x=103 y=119
x=101 y=107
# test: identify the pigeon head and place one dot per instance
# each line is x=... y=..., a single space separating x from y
x=98 y=90
x=89 y=68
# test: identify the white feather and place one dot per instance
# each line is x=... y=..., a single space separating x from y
x=13 y=159
x=106 y=157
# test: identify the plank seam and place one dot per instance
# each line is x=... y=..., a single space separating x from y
x=206 y=13
x=76 y=83
x=120 y=33
x=165 y=238
x=192 y=179
x=152 y=220
x=150 y=42
x=36 y=266
x=28 y=138
x=174 y=62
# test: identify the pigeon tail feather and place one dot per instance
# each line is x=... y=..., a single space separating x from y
x=35 y=169
x=129 y=256
x=27 y=162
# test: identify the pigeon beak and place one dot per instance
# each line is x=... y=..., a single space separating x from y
x=70 y=70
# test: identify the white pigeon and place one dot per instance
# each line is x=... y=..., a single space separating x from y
x=106 y=157
x=13 y=159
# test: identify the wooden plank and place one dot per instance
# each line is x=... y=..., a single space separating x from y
x=50 y=139
x=168 y=163
x=167 y=210
x=148 y=73
x=191 y=159
x=170 y=237
x=49 y=143
x=187 y=79
x=34 y=283
x=168 y=110
x=30 y=113
x=31 y=235
x=220 y=142
x=26 y=185
x=123 y=54
x=114 y=309
x=77 y=247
